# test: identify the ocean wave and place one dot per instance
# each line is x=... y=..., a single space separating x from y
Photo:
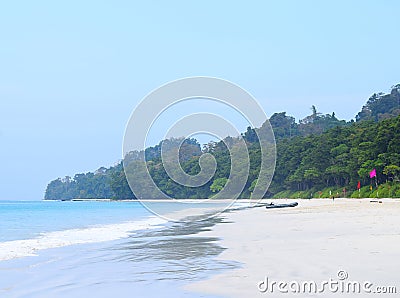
x=29 y=247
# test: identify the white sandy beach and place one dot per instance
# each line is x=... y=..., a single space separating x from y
x=311 y=242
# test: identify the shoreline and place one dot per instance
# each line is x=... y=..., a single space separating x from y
x=209 y=200
x=163 y=258
x=14 y=249
x=313 y=241
x=99 y=233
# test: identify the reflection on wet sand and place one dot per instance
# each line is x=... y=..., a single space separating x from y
x=175 y=252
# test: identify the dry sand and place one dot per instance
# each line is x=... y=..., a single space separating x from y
x=311 y=242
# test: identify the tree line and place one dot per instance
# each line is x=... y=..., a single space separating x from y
x=319 y=156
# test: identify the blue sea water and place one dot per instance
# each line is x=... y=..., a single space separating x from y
x=153 y=260
x=28 y=219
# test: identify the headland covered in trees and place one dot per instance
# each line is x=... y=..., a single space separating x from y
x=318 y=156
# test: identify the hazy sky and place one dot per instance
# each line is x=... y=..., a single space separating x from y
x=71 y=72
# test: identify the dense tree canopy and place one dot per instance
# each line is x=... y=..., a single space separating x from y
x=317 y=154
x=381 y=106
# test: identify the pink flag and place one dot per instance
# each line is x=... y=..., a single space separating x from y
x=372 y=174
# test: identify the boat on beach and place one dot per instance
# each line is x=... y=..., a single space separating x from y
x=272 y=205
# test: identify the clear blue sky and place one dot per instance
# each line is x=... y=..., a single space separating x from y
x=72 y=71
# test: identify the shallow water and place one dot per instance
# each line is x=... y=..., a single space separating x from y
x=29 y=219
x=152 y=262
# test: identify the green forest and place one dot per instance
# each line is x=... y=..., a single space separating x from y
x=318 y=156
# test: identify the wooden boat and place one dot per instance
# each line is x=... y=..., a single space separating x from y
x=375 y=201
x=272 y=205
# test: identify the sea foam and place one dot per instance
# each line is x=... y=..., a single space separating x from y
x=29 y=247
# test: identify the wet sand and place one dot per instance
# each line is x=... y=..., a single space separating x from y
x=311 y=242
x=148 y=263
